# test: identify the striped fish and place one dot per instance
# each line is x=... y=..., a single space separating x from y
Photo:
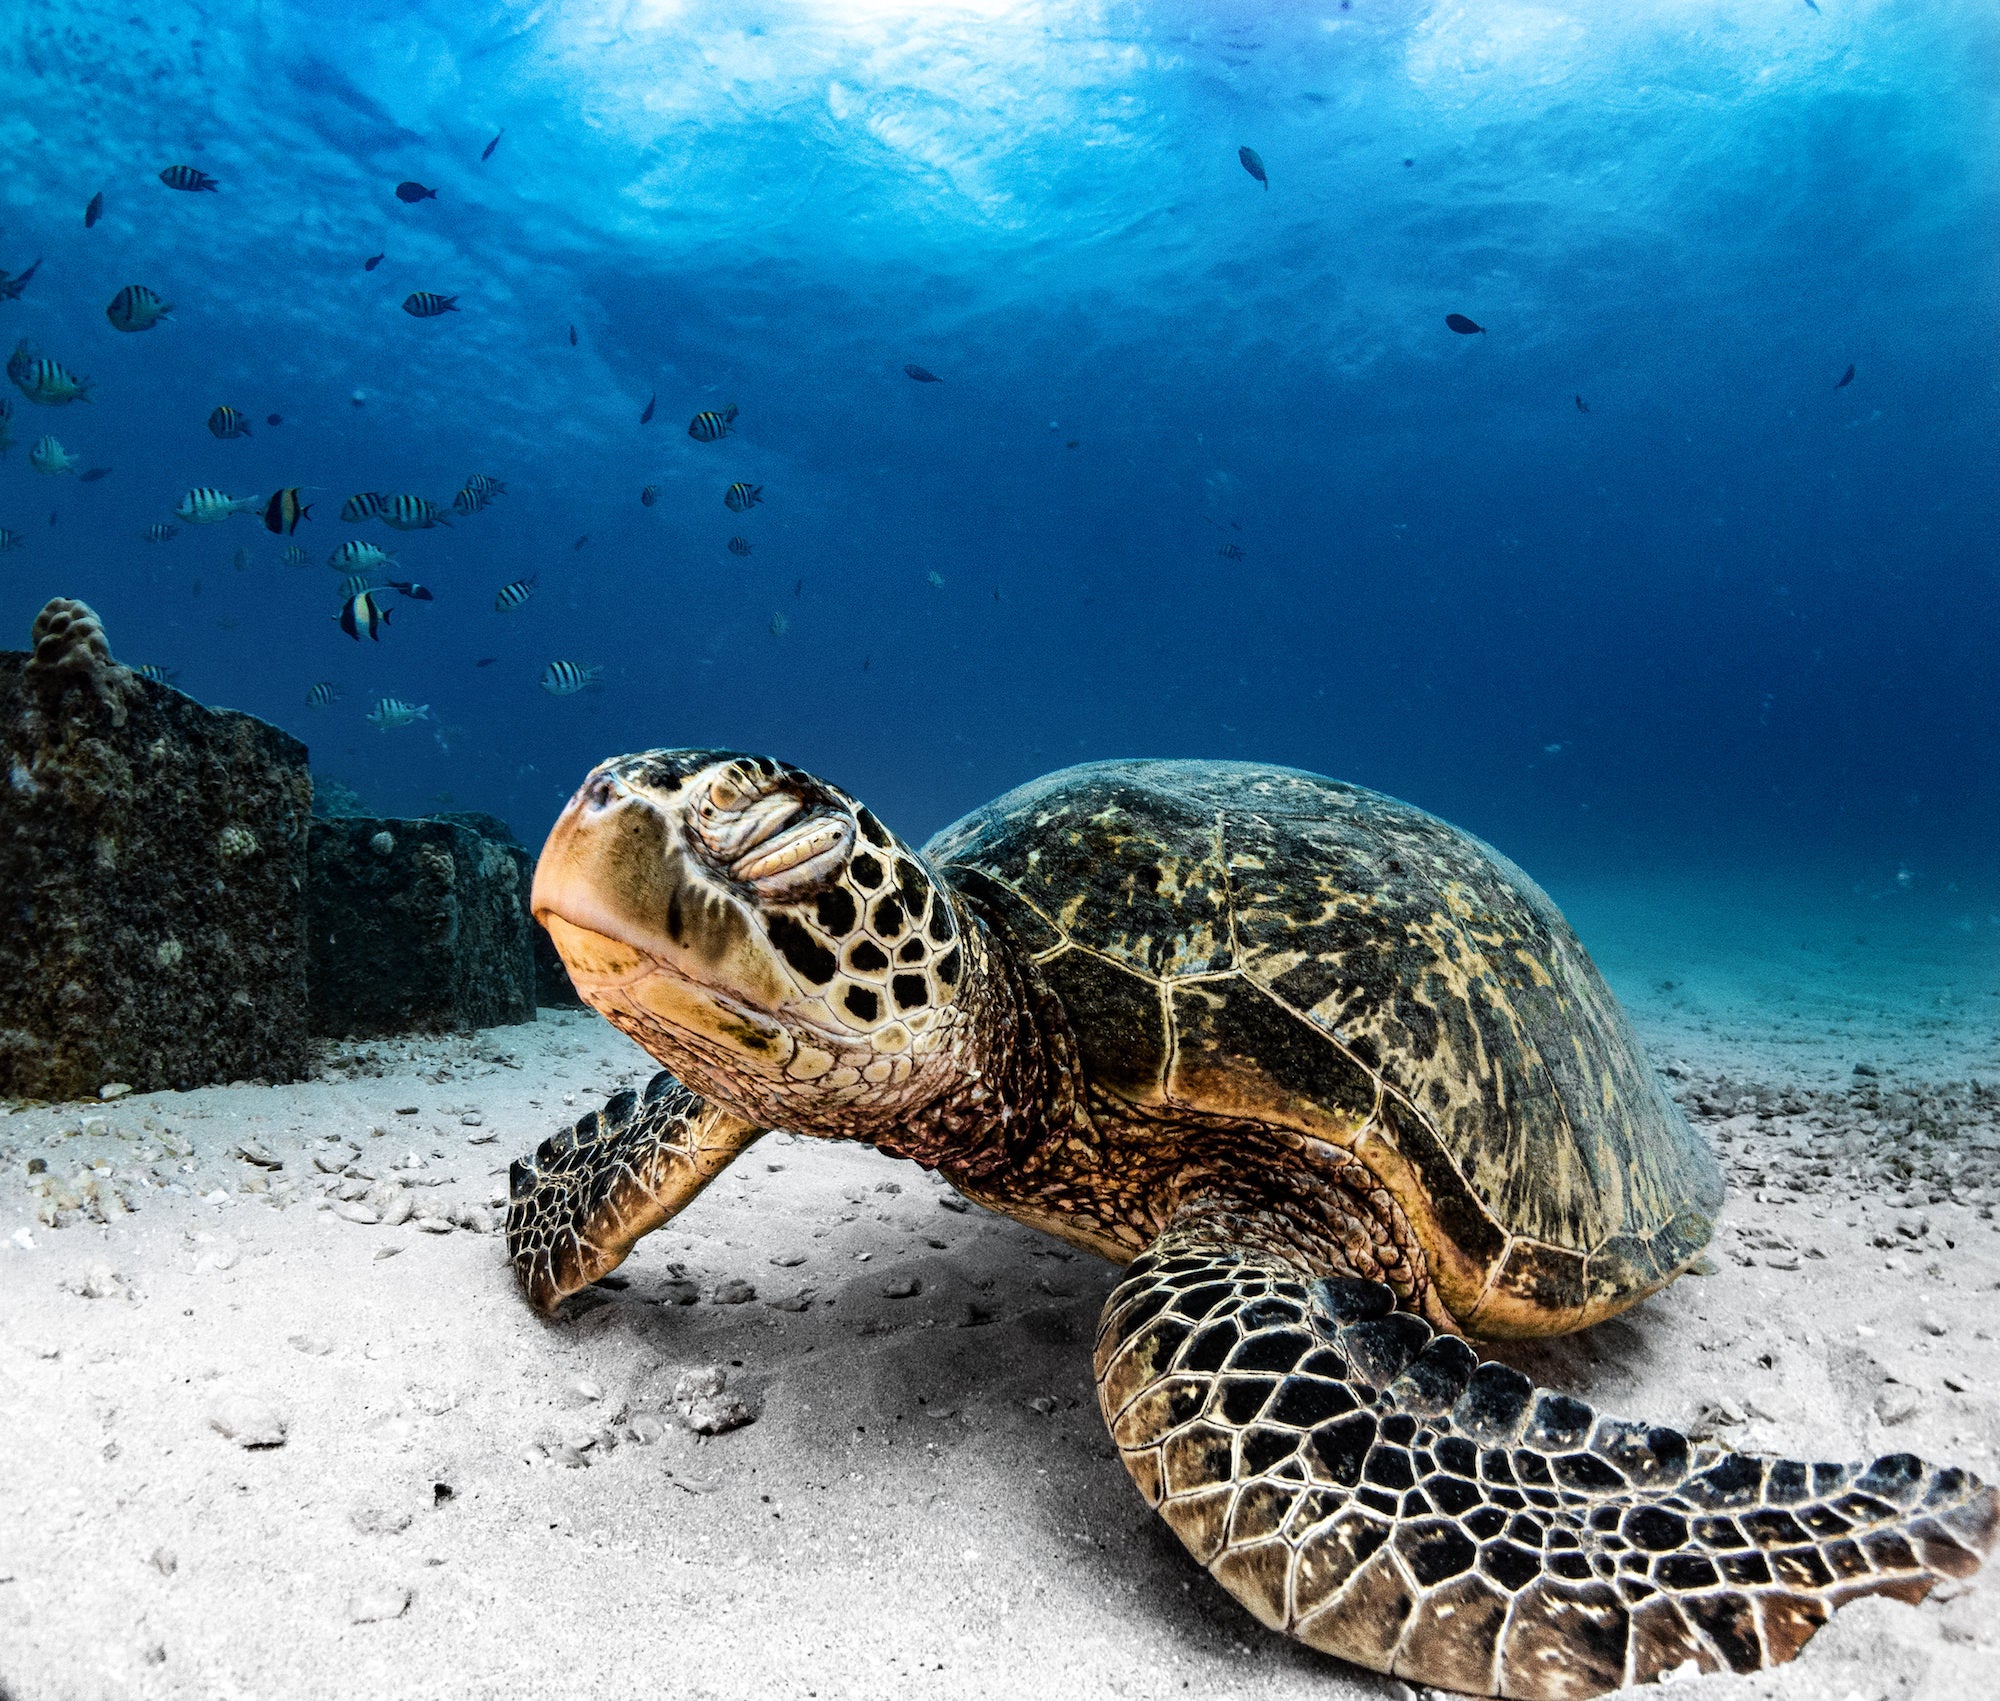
x=227 y=422
x=160 y=532
x=739 y=546
x=323 y=694
x=188 y=178
x=709 y=424
x=295 y=556
x=649 y=496
x=157 y=674
x=427 y=304
x=43 y=380
x=284 y=511
x=205 y=507
x=411 y=513
x=469 y=501
x=565 y=679
x=740 y=496
x=512 y=596
x=359 y=556
x=1231 y=552
x=393 y=712
x=49 y=456
x=11 y=539
x=486 y=485
x=362 y=613
x=364 y=505
x=136 y=308
x=354 y=584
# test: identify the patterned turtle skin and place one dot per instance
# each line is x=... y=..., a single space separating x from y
x=1337 y=1085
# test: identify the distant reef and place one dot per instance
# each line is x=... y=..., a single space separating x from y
x=176 y=916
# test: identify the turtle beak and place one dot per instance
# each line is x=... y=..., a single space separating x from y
x=623 y=894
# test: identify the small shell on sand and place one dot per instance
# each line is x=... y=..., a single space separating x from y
x=248 y=1421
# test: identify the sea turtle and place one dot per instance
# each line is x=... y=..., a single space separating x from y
x=1334 y=1082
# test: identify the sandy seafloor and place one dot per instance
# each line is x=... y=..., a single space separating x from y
x=469 y=1501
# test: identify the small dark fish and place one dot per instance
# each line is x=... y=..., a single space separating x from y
x=1847 y=377
x=486 y=661
x=188 y=178
x=572 y=336
x=483 y=158
x=10 y=288
x=90 y=475
x=54 y=515
x=1812 y=7
x=1231 y=552
x=1074 y=442
x=373 y=260
x=649 y=496
x=646 y=418
x=580 y=542
x=428 y=304
x=1409 y=162
x=1464 y=326
x=412 y=193
x=284 y=511
x=1582 y=406
x=274 y=419
x=415 y=592
x=866 y=663
x=922 y=374
x=1253 y=165
x=739 y=546
x=95 y=211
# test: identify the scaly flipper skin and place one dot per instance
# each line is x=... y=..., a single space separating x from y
x=576 y=1207
x=1366 y=1485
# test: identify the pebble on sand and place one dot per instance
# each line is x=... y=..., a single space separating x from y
x=735 y=1291
x=902 y=1287
x=356 y=1212
x=705 y=1405
x=247 y=1421
x=374 y=1605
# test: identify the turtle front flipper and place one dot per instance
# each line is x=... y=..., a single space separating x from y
x=1366 y=1485
x=576 y=1207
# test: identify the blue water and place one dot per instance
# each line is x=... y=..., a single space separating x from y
x=1733 y=622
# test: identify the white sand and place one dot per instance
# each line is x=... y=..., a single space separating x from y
x=926 y=1505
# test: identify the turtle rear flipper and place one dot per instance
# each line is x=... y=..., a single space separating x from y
x=576 y=1207
x=1366 y=1485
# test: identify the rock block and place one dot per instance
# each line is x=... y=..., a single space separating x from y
x=552 y=982
x=417 y=926
x=153 y=869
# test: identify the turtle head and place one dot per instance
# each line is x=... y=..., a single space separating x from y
x=760 y=933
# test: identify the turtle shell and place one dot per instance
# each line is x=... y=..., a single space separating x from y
x=1261 y=944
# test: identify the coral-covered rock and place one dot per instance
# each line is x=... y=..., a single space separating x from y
x=417 y=926
x=552 y=982
x=153 y=870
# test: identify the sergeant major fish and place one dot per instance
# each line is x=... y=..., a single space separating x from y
x=393 y=712
x=11 y=539
x=136 y=308
x=512 y=596
x=363 y=505
x=43 y=380
x=322 y=694
x=740 y=496
x=711 y=424
x=205 y=506
x=49 y=456
x=411 y=513
x=566 y=678
x=357 y=555
x=190 y=180
x=295 y=556
x=160 y=532
x=226 y=422
x=428 y=304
